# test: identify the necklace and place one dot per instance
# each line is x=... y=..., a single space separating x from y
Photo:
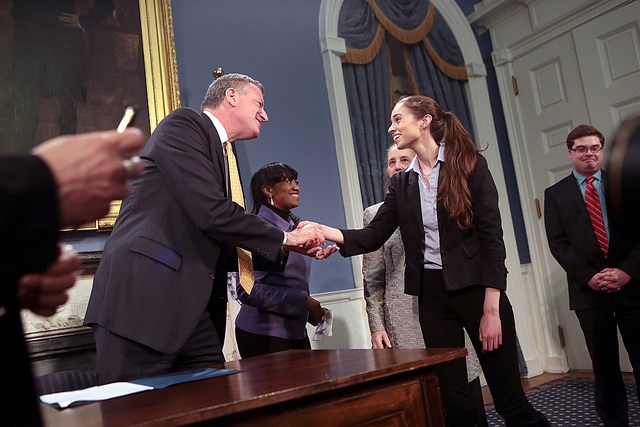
x=425 y=176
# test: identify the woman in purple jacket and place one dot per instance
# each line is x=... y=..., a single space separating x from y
x=274 y=316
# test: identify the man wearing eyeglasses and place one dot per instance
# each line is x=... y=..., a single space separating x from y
x=603 y=270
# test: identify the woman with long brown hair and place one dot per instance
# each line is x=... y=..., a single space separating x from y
x=446 y=205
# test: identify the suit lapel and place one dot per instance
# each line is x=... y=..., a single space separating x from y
x=573 y=198
x=413 y=194
x=575 y=195
x=217 y=152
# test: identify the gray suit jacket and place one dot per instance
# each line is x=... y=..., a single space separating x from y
x=157 y=269
x=388 y=307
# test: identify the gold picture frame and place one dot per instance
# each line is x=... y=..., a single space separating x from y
x=161 y=68
x=161 y=75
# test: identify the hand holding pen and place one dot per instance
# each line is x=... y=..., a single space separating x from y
x=132 y=165
x=91 y=170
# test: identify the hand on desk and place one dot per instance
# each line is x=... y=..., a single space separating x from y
x=44 y=292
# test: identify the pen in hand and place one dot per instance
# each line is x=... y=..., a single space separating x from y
x=127 y=118
x=131 y=165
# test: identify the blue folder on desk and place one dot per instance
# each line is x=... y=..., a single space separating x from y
x=163 y=381
x=108 y=391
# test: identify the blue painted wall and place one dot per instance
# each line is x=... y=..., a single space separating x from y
x=277 y=43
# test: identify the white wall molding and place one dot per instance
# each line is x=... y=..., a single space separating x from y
x=488 y=13
x=522 y=26
x=476 y=69
x=350 y=326
x=501 y=56
x=333 y=47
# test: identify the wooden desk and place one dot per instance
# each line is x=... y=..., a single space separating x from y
x=292 y=388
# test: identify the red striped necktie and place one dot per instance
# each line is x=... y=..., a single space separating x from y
x=592 y=200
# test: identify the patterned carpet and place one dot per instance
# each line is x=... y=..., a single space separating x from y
x=569 y=402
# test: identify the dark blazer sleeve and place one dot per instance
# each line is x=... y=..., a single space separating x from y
x=199 y=187
x=624 y=247
x=378 y=231
x=475 y=255
x=570 y=235
x=28 y=216
x=630 y=261
x=276 y=293
x=276 y=299
x=487 y=221
x=28 y=243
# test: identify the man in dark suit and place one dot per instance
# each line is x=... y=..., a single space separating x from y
x=153 y=305
x=67 y=182
x=603 y=270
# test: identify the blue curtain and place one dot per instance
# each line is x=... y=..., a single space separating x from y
x=369 y=109
x=435 y=64
x=368 y=89
x=447 y=92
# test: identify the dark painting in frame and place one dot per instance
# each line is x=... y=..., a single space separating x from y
x=58 y=79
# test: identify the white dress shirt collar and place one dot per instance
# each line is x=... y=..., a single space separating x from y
x=222 y=132
x=415 y=163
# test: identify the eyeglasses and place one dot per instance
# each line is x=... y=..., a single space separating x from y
x=595 y=149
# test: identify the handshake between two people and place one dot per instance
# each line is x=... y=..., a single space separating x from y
x=309 y=238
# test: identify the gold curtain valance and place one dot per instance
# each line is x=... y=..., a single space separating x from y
x=419 y=34
x=366 y=54
x=405 y=36
x=454 y=71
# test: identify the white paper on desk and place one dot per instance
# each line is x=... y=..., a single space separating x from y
x=325 y=328
x=101 y=392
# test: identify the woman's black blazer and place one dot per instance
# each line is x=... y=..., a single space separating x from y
x=470 y=257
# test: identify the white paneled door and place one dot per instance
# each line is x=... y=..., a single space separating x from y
x=588 y=75
x=609 y=49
